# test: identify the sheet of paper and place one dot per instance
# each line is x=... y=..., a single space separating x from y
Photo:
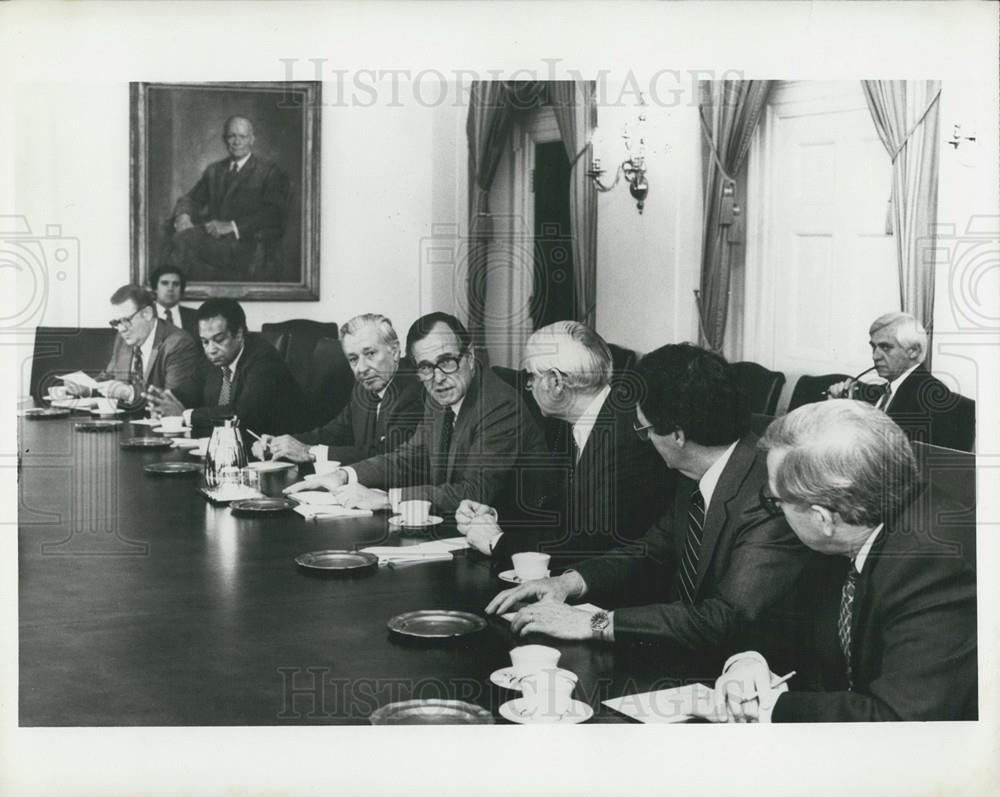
x=313 y=512
x=586 y=606
x=680 y=704
x=79 y=378
x=316 y=498
x=144 y=422
x=74 y=403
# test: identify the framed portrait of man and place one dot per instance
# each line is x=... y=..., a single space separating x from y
x=225 y=186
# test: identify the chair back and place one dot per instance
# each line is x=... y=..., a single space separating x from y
x=312 y=352
x=60 y=350
x=953 y=473
x=811 y=389
x=965 y=412
x=761 y=387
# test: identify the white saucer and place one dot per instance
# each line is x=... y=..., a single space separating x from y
x=432 y=520
x=511 y=576
x=578 y=712
x=169 y=432
x=103 y=414
x=197 y=452
x=505 y=678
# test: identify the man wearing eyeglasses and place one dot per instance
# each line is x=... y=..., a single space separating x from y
x=714 y=569
x=611 y=485
x=147 y=353
x=474 y=439
x=896 y=629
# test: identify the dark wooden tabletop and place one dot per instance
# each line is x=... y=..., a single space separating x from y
x=143 y=604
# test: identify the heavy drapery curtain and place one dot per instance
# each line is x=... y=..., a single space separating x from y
x=575 y=111
x=492 y=108
x=906 y=116
x=730 y=111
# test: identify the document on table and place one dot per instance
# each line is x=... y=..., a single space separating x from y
x=85 y=380
x=431 y=551
x=680 y=704
x=312 y=512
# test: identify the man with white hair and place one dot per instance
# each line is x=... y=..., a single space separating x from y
x=610 y=486
x=386 y=405
x=920 y=403
x=895 y=634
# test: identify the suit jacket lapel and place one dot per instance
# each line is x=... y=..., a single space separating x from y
x=240 y=176
x=159 y=333
x=717 y=513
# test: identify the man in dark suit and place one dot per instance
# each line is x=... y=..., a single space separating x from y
x=921 y=404
x=246 y=378
x=610 y=485
x=387 y=402
x=239 y=201
x=168 y=284
x=147 y=354
x=715 y=565
x=896 y=636
x=475 y=437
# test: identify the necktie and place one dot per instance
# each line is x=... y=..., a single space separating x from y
x=169 y=316
x=377 y=402
x=884 y=401
x=230 y=175
x=844 y=620
x=227 y=386
x=136 y=377
x=446 y=430
x=692 y=546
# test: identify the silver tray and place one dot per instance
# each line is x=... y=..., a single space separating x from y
x=173 y=468
x=97 y=426
x=45 y=413
x=431 y=712
x=260 y=505
x=436 y=623
x=148 y=443
x=337 y=561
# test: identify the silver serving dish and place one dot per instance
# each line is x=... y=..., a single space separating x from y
x=45 y=413
x=148 y=443
x=337 y=561
x=173 y=468
x=436 y=623
x=259 y=505
x=431 y=712
x=97 y=426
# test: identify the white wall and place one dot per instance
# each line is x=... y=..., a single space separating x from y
x=648 y=265
x=389 y=174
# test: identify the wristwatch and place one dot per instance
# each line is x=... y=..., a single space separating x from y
x=599 y=621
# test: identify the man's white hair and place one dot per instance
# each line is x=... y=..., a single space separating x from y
x=573 y=349
x=905 y=328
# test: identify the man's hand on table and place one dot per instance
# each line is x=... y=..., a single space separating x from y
x=121 y=391
x=557 y=589
x=478 y=524
x=554 y=618
x=357 y=496
x=282 y=447
x=746 y=674
x=162 y=402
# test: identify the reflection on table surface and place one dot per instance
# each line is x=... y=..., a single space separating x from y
x=141 y=603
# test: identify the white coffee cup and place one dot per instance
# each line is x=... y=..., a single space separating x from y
x=548 y=695
x=415 y=513
x=530 y=566
x=531 y=659
x=172 y=423
x=322 y=468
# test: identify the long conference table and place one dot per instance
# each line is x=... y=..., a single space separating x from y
x=143 y=604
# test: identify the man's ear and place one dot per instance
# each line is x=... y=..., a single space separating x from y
x=827 y=519
x=680 y=437
x=913 y=352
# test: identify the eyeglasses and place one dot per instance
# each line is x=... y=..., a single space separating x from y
x=770 y=503
x=530 y=376
x=642 y=432
x=124 y=323
x=448 y=364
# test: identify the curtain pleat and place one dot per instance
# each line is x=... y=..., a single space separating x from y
x=573 y=104
x=907 y=119
x=730 y=111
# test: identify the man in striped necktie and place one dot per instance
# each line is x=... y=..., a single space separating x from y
x=715 y=565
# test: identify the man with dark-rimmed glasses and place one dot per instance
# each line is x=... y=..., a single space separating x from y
x=146 y=352
x=716 y=568
x=475 y=436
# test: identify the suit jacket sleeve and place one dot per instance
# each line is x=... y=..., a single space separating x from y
x=337 y=432
x=196 y=200
x=928 y=667
x=267 y=213
x=765 y=563
x=183 y=368
x=407 y=464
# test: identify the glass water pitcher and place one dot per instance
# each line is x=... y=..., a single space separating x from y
x=225 y=456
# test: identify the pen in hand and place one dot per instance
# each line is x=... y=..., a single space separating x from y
x=774 y=684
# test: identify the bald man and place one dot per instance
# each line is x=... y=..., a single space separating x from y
x=240 y=202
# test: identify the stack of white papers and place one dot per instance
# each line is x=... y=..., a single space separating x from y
x=432 y=551
x=312 y=511
x=679 y=704
x=74 y=403
x=85 y=380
